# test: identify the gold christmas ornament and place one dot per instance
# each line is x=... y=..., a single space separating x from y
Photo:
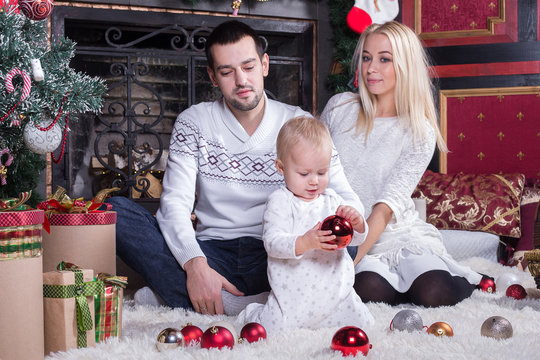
x=440 y=328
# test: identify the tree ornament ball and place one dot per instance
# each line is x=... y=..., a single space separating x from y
x=487 y=284
x=192 y=334
x=253 y=332
x=217 y=337
x=497 y=327
x=408 y=320
x=39 y=141
x=169 y=338
x=504 y=280
x=440 y=328
x=227 y=325
x=36 y=9
x=516 y=291
x=350 y=340
x=341 y=228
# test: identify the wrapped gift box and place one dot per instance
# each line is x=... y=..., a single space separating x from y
x=108 y=307
x=21 y=285
x=88 y=240
x=68 y=303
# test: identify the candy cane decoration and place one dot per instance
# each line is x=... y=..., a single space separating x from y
x=27 y=82
x=10 y=88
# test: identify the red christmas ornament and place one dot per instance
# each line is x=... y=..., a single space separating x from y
x=487 y=284
x=192 y=334
x=217 y=337
x=36 y=9
x=516 y=291
x=252 y=332
x=341 y=228
x=349 y=340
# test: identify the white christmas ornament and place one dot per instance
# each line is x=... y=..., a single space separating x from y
x=504 y=281
x=39 y=141
x=367 y=12
x=37 y=70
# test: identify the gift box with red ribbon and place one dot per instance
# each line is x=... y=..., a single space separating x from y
x=83 y=233
x=21 y=282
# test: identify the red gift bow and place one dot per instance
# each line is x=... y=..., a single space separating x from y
x=68 y=206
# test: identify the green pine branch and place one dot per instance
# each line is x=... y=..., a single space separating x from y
x=21 y=40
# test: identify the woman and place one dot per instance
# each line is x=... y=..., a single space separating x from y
x=386 y=135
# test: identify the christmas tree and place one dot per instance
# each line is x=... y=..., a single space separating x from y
x=39 y=95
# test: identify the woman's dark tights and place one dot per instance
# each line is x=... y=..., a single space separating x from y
x=431 y=289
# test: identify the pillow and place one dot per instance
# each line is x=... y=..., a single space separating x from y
x=475 y=202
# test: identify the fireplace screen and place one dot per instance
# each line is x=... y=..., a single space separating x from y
x=154 y=66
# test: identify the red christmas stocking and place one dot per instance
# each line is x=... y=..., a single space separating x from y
x=367 y=12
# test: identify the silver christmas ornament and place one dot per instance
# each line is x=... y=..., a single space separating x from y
x=169 y=338
x=497 y=327
x=408 y=320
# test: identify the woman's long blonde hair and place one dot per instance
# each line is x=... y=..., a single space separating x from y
x=414 y=89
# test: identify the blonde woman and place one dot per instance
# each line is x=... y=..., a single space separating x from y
x=386 y=135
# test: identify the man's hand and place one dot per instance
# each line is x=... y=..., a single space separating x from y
x=204 y=286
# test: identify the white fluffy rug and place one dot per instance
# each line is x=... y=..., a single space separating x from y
x=141 y=326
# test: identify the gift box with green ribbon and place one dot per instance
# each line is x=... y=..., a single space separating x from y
x=108 y=307
x=21 y=280
x=68 y=305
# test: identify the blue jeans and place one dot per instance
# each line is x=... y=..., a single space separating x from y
x=140 y=244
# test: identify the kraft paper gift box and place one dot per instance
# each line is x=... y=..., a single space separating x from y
x=21 y=285
x=108 y=307
x=68 y=303
x=87 y=239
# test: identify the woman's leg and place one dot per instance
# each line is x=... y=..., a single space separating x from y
x=371 y=287
x=438 y=288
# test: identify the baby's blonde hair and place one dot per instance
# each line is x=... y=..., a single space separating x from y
x=299 y=128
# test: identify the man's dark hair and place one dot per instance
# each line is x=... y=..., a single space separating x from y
x=230 y=32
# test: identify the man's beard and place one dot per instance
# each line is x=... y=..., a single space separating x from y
x=246 y=106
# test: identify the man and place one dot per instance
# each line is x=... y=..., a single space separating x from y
x=223 y=151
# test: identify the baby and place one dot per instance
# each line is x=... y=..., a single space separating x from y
x=311 y=279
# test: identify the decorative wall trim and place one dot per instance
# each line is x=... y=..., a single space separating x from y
x=491 y=69
x=498 y=29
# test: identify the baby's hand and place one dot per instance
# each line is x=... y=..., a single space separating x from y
x=352 y=216
x=315 y=239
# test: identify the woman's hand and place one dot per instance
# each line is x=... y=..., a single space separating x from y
x=377 y=221
x=362 y=251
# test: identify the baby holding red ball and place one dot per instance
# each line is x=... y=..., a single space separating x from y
x=310 y=275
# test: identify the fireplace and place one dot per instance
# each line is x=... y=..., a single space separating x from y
x=154 y=66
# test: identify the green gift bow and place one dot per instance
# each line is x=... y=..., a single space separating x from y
x=80 y=290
